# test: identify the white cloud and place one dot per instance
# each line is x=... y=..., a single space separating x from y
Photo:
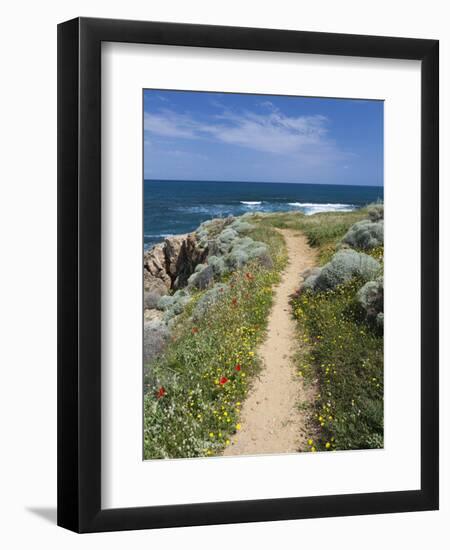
x=274 y=132
x=169 y=124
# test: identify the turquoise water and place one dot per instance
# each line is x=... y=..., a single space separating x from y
x=174 y=207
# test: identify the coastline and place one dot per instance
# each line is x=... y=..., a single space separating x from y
x=207 y=305
x=175 y=207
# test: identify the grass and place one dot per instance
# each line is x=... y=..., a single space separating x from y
x=195 y=390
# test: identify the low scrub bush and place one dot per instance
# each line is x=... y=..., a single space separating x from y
x=365 y=235
x=246 y=249
x=371 y=299
x=218 y=266
x=343 y=266
x=241 y=226
x=174 y=305
x=375 y=212
x=208 y=299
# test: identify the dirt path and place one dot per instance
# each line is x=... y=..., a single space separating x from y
x=271 y=420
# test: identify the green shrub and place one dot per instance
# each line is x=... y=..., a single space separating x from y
x=218 y=266
x=208 y=299
x=245 y=249
x=241 y=226
x=371 y=299
x=365 y=235
x=344 y=266
x=375 y=212
x=174 y=305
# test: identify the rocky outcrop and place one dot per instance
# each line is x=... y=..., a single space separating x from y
x=169 y=265
x=155 y=269
x=175 y=269
x=190 y=255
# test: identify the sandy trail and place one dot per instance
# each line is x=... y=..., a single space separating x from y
x=271 y=420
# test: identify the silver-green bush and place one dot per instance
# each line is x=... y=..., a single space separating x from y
x=365 y=234
x=245 y=249
x=370 y=297
x=310 y=278
x=241 y=226
x=209 y=298
x=165 y=302
x=375 y=212
x=175 y=304
x=343 y=266
x=218 y=266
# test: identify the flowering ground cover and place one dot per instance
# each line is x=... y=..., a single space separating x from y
x=194 y=392
x=341 y=350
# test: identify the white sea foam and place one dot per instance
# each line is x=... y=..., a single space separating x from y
x=310 y=208
x=251 y=203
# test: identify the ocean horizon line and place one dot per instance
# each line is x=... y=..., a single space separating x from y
x=260 y=182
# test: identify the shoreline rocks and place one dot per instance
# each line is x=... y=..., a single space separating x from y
x=168 y=265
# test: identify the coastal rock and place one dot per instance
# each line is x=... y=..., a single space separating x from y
x=152 y=296
x=172 y=248
x=202 y=278
x=155 y=269
x=189 y=256
x=168 y=265
x=153 y=315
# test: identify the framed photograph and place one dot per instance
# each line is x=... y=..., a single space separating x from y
x=247 y=275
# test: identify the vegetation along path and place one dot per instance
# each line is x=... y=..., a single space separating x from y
x=271 y=420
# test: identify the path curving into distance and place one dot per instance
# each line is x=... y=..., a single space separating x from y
x=271 y=419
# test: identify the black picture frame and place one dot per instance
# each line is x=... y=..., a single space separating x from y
x=79 y=274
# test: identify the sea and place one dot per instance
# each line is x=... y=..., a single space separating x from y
x=175 y=207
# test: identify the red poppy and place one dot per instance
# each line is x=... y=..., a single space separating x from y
x=234 y=301
x=223 y=380
x=161 y=392
x=194 y=330
x=238 y=367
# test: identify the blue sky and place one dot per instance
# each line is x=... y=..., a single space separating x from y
x=246 y=137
